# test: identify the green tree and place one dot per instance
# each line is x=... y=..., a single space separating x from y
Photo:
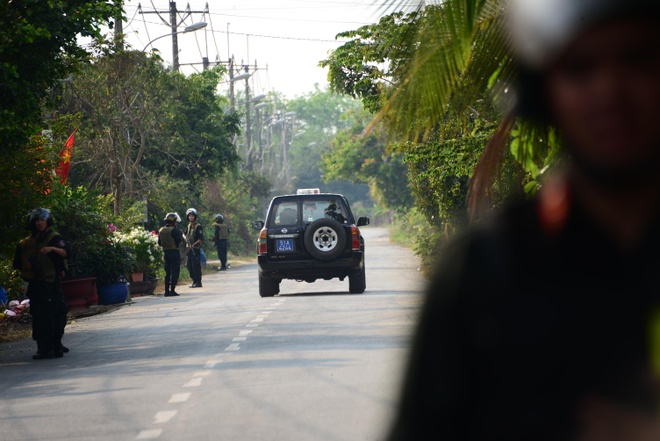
x=366 y=67
x=27 y=174
x=320 y=116
x=459 y=56
x=237 y=197
x=429 y=76
x=38 y=47
x=139 y=121
x=367 y=159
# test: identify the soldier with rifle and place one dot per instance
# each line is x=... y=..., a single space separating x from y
x=41 y=260
x=194 y=236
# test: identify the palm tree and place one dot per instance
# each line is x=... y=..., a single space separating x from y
x=459 y=53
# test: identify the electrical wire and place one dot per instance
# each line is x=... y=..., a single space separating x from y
x=132 y=18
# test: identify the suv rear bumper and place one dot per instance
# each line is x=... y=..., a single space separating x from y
x=310 y=270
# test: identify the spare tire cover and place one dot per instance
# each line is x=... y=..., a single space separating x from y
x=325 y=239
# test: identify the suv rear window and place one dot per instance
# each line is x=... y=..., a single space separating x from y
x=332 y=208
x=286 y=211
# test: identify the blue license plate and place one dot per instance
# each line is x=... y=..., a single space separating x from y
x=284 y=245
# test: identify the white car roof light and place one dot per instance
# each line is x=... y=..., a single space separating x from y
x=308 y=191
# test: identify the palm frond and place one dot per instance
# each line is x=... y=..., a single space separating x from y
x=456 y=48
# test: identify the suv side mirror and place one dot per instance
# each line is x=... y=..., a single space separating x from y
x=257 y=225
x=362 y=221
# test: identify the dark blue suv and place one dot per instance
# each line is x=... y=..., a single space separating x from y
x=309 y=236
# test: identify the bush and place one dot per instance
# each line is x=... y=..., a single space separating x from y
x=11 y=280
x=79 y=216
x=110 y=261
x=148 y=254
x=411 y=229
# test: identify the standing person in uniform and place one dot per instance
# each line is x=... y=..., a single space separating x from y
x=170 y=238
x=543 y=322
x=41 y=259
x=220 y=238
x=194 y=238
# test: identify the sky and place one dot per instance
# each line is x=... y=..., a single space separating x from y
x=281 y=41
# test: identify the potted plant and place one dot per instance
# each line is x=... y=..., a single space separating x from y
x=78 y=217
x=148 y=254
x=111 y=261
x=148 y=257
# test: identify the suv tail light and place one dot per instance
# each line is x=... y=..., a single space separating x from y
x=355 y=238
x=263 y=241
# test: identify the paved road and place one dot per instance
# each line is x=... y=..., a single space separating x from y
x=221 y=363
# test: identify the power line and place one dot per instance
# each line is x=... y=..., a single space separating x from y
x=266 y=36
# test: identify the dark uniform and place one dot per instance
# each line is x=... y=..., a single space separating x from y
x=170 y=238
x=195 y=233
x=43 y=273
x=523 y=321
x=220 y=238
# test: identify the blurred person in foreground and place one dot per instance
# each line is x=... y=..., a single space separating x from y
x=542 y=322
x=41 y=259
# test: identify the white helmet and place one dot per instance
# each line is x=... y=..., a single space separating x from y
x=172 y=217
x=191 y=211
x=540 y=29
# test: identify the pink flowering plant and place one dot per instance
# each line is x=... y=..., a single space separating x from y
x=148 y=254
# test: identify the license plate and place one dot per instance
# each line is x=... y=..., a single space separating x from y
x=284 y=245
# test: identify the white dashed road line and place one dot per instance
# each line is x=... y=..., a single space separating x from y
x=180 y=398
x=233 y=347
x=149 y=434
x=194 y=382
x=165 y=416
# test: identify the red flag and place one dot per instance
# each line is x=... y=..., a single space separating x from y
x=62 y=169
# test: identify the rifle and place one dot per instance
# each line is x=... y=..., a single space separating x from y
x=187 y=239
x=190 y=251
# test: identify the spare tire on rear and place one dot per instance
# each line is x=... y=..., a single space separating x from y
x=325 y=239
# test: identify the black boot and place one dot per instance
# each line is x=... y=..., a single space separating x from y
x=44 y=351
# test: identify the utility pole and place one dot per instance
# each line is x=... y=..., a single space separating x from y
x=172 y=23
x=175 y=40
x=119 y=27
x=234 y=76
x=248 y=129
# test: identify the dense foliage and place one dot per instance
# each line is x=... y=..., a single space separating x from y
x=367 y=159
x=429 y=77
x=140 y=121
x=38 y=47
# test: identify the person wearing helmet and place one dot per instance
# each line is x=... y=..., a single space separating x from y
x=542 y=322
x=170 y=238
x=194 y=236
x=40 y=258
x=220 y=239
